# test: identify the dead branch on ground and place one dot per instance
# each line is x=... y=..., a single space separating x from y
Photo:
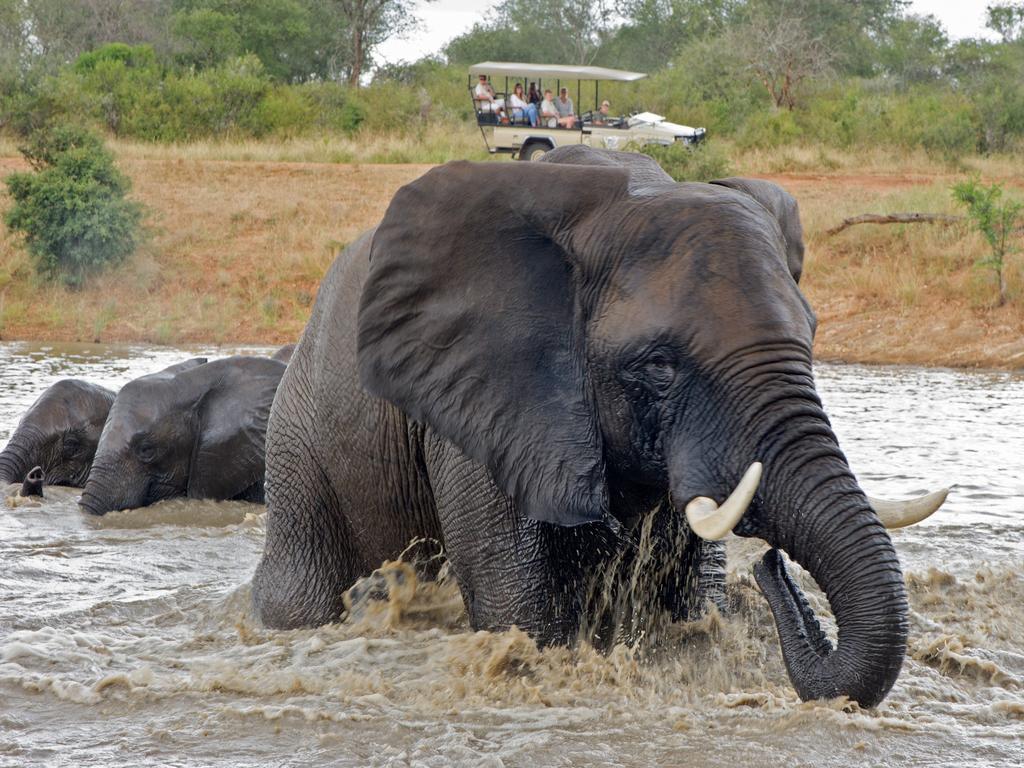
x=895 y=218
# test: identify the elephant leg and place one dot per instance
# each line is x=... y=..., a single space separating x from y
x=512 y=571
x=310 y=555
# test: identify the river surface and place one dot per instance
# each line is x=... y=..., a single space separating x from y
x=128 y=640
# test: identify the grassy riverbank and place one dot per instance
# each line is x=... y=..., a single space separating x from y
x=240 y=235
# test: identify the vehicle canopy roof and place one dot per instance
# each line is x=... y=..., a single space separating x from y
x=556 y=71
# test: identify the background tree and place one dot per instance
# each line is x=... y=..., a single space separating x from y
x=783 y=54
x=61 y=30
x=913 y=49
x=848 y=29
x=653 y=31
x=560 y=31
x=995 y=220
x=1006 y=20
x=275 y=31
x=73 y=210
x=369 y=23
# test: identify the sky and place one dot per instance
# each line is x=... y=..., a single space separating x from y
x=445 y=19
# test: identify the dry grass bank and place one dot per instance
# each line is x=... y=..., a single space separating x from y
x=235 y=254
x=904 y=293
x=241 y=235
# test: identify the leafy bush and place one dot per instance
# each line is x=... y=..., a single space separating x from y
x=702 y=162
x=769 y=130
x=942 y=123
x=283 y=112
x=994 y=220
x=72 y=209
x=134 y=56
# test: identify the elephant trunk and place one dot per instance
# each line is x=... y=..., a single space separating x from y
x=103 y=493
x=838 y=539
x=810 y=506
x=15 y=462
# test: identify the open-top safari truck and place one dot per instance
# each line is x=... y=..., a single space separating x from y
x=505 y=129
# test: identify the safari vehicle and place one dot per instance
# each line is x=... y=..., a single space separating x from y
x=506 y=131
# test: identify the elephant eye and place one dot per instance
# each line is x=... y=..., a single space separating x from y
x=145 y=451
x=655 y=369
x=71 y=444
x=659 y=370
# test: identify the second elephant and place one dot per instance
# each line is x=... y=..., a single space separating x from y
x=196 y=433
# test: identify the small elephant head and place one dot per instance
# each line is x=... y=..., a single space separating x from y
x=601 y=346
x=58 y=433
x=196 y=429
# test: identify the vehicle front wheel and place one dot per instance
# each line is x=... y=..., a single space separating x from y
x=533 y=151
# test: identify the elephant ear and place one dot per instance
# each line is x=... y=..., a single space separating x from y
x=233 y=409
x=471 y=322
x=784 y=208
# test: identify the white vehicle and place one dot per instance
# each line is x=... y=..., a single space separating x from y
x=506 y=128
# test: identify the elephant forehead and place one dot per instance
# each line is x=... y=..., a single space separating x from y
x=138 y=404
x=711 y=305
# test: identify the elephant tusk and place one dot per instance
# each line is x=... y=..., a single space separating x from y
x=713 y=522
x=898 y=514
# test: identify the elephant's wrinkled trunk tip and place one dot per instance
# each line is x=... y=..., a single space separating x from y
x=33 y=484
x=862 y=581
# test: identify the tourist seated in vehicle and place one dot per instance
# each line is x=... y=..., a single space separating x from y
x=602 y=117
x=534 y=95
x=486 y=101
x=548 y=111
x=521 y=108
x=566 y=110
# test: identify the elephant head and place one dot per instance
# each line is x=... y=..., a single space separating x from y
x=195 y=430
x=599 y=346
x=58 y=433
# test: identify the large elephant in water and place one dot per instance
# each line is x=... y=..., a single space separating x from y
x=195 y=432
x=522 y=362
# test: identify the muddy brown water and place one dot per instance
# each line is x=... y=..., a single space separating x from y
x=128 y=640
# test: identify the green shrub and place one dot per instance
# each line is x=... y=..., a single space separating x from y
x=942 y=123
x=72 y=209
x=994 y=220
x=132 y=56
x=702 y=162
x=769 y=129
x=284 y=112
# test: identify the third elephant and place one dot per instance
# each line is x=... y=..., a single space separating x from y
x=195 y=432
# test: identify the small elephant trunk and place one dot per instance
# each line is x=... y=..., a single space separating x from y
x=33 y=485
x=14 y=463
